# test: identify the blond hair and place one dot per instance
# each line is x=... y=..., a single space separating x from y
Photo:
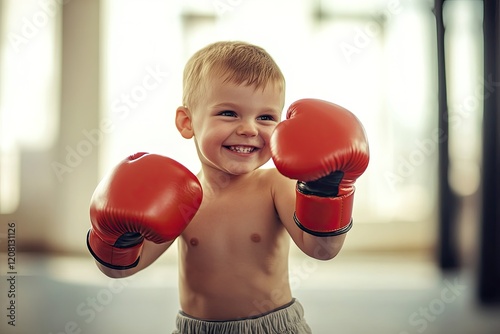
x=237 y=62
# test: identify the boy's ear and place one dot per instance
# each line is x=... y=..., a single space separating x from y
x=183 y=122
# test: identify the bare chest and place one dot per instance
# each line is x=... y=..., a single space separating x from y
x=240 y=225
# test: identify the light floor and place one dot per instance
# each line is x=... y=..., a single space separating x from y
x=351 y=294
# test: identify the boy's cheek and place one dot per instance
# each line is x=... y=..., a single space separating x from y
x=270 y=133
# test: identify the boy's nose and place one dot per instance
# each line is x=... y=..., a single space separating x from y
x=247 y=128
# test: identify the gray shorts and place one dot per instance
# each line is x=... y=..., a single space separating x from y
x=286 y=320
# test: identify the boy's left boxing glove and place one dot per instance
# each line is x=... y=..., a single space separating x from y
x=147 y=196
x=325 y=148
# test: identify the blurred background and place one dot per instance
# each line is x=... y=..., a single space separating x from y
x=85 y=83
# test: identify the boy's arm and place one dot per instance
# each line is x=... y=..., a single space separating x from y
x=324 y=147
x=321 y=248
x=138 y=210
x=150 y=253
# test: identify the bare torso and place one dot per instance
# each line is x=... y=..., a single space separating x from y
x=234 y=253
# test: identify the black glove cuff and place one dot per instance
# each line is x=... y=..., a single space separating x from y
x=327 y=186
x=343 y=230
x=129 y=239
x=109 y=265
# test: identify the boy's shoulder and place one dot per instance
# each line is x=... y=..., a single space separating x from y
x=267 y=174
x=273 y=178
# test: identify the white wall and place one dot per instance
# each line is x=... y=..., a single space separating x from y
x=104 y=83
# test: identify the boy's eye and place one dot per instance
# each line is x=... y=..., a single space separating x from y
x=266 y=118
x=229 y=113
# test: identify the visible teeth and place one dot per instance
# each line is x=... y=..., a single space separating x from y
x=242 y=149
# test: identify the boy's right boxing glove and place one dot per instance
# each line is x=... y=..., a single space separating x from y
x=325 y=148
x=147 y=196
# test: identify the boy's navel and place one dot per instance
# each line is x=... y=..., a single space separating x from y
x=255 y=237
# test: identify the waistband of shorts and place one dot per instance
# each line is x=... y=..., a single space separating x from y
x=288 y=318
x=283 y=307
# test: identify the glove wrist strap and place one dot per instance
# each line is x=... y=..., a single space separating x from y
x=343 y=230
x=324 y=216
x=113 y=257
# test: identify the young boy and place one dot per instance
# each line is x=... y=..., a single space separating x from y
x=234 y=220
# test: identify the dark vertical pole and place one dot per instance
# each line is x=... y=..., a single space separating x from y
x=489 y=262
x=447 y=250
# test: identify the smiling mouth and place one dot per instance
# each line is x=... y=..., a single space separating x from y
x=242 y=149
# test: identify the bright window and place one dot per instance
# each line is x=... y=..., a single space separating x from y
x=28 y=88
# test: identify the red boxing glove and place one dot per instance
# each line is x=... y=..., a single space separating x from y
x=146 y=196
x=325 y=148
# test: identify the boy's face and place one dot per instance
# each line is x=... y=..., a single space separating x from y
x=232 y=125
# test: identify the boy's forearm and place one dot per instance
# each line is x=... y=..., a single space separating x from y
x=323 y=248
x=150 y=253
x=114 y=273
